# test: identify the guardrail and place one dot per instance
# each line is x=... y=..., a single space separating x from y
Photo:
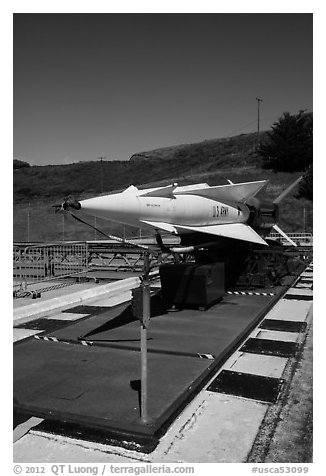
x=302 y=239
x=39 y=263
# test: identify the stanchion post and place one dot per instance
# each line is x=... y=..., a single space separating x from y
x=143 y=337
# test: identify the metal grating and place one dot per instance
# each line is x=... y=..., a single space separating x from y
x=298 y=297
x=255 y=387
x=43 y=324
x=286 y=326
x=270 y=347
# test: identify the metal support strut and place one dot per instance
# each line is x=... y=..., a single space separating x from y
x=145 y=285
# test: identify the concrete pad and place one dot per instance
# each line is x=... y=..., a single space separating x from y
x=301 y=285
x=19 y=334
x=306 y=279
x=265 y=365
x=300 y=292
x=39 y=448
x=25 y=427
x=290 y=310
x=108 y=301
x=307 y=274
x=276 y=335
x=213 y=435
x=66 y=316
x=206 y=431
x=115 y=300
x=97 y=302
x=54 y=293
x=25 y=313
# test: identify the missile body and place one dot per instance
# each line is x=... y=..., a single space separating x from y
x=229 y=211
x=189 y=210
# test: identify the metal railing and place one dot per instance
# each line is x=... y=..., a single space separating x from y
x=301 y=239
x=38 y=263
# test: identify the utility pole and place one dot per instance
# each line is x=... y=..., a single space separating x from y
x=28 y=222
x=101 y=172
x=259 y=100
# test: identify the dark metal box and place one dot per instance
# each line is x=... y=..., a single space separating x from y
x=192 y=285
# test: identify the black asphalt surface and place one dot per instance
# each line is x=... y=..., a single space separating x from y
x=98 y=385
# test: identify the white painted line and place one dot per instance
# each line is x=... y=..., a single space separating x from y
x=49 y=339
x=249 y=293
x=206 y=356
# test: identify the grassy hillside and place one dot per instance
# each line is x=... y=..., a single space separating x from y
x=213 y=161
x=236 y=148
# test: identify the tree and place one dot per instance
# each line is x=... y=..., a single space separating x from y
x=306 y=185
x=289 y=146
x=19 y=164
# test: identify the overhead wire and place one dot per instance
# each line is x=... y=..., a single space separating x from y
x=111 y=237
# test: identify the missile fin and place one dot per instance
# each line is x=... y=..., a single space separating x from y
x=161 y=226
x=237 y=192
x=164 y=192
x=237 y=231
x=131 y=189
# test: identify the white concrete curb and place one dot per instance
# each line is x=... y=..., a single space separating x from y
x=25 y=313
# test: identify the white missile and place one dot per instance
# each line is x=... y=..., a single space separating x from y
x=229 y=211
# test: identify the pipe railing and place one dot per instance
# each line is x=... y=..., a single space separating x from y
x=44 y=262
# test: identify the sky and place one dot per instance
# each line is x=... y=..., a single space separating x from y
x=110 y=85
